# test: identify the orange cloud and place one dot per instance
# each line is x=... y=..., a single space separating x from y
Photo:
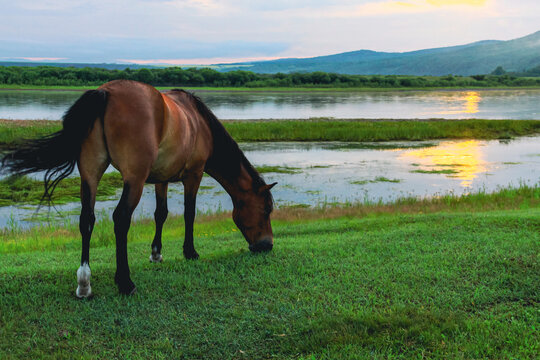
x=457 y=2
x=389 y=7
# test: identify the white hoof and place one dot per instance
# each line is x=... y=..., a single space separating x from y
x=84 y=289
x=156 y=258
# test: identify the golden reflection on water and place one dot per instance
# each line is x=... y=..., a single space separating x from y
x=460 y=159
x=468 y=104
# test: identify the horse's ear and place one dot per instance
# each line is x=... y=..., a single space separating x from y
x=266 y=187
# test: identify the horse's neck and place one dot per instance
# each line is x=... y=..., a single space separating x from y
x=236 y=186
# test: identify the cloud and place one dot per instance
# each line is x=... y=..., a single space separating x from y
x=49 y=5
x=194 y=30
x=393 y=7
x=45 y=59
x=197 y=61
x=161 y=50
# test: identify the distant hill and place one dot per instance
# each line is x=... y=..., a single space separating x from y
x=476 y=58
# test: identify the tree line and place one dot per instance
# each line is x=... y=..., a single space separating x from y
x=178 y=77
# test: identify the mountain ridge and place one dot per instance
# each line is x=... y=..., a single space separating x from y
x=480 y=57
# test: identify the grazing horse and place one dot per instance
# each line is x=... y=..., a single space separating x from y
x=150 y=137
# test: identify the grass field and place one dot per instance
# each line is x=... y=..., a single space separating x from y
x=443 y=278
x=12 y=132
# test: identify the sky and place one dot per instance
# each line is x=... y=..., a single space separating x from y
x=223 y=31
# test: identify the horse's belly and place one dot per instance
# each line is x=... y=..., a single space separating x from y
x=167 y=169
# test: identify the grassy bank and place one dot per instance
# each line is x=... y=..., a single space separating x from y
x=55 y=238
x=366 y=130
x=457 y=282
x=325 y=130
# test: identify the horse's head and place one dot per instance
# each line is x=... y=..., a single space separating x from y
x=252 y=216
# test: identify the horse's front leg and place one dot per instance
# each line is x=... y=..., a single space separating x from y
x=160 y=215
x=191 y=186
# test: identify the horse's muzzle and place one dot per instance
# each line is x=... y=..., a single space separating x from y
x=265 y=244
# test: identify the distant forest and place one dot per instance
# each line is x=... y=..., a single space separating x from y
x=178 y=77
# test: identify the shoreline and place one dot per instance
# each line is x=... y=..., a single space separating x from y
x=279 y=89
x=505 y=199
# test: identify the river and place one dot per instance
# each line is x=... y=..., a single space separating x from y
x=481 y=104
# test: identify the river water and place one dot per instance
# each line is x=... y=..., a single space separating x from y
x=327 y=173
x=482 y=104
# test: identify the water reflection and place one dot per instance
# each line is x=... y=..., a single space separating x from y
x=467 y=104
x=471 y=102
x=463 y=160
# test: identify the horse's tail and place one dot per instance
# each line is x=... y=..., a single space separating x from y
x=57 y=153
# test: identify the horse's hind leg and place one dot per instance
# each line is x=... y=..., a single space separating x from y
x=131 y=195
x=86 y=225
x=160 y=215
x=92 y=164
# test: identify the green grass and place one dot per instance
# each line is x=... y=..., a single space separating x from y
x=376 y=180
x=263 y=169
x=25 y=190
x=12 y=132
x=365 y=130
x=360 y=130
x=456 y=283
x=442 y=171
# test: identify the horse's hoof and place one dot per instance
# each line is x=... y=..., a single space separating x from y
x=191 y=255
x=84 y=290
x=156 y=258
x=125 y=285
x=127 y=289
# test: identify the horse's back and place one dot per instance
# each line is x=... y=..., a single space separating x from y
x=151 y=135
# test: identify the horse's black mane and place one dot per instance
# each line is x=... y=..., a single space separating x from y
x=226 y=150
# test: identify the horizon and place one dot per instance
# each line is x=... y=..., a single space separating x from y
x=179 y=62
x=205 y=32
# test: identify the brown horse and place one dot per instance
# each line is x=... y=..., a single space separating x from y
x=150 y=137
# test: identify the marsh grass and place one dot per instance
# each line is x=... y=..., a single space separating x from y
x=13 y=131
x=374 y=131
x=25 y=190
x=376 y=180
x=434 y=171
x=264 y=169
x=360 y=130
